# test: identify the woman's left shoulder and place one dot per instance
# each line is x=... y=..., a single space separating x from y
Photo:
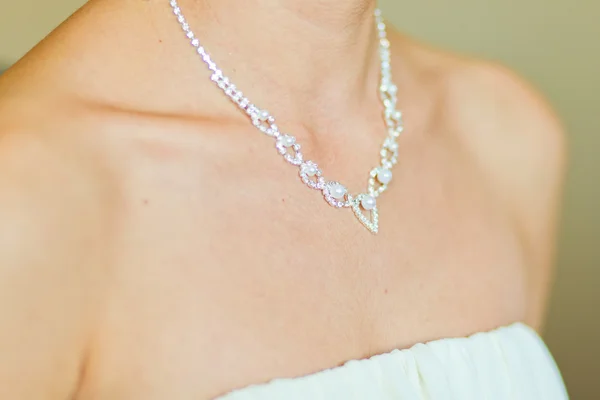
x=504 y=122
x=510 y=132
x=486 y=101
x=518 y=141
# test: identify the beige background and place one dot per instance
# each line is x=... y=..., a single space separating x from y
x=553 y=43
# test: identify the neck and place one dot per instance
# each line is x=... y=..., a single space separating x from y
x=292 y=51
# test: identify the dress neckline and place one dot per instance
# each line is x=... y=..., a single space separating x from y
x=516 y=328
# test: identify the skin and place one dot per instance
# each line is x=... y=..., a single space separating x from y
x=152 y=239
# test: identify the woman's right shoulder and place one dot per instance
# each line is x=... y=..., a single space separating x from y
x=51 y=193
x=52 y=231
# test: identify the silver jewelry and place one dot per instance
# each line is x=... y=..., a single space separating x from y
x=334 y=192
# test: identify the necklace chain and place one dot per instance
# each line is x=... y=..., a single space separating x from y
x=334 y=193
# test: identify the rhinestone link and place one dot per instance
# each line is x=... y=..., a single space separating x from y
x=266 y=123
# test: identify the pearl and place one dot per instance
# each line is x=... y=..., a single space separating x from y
x=384 y=176
x=337 y=191
x=263 y=115
x=287 y=140
x=310 y=170
x=368 y=202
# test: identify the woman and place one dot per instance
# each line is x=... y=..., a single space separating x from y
x=155 y=246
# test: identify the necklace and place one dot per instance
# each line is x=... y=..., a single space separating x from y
x=335 y=193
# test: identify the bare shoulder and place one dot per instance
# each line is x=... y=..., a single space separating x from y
x=519 y=142
x=512 y=135
x=492 y=107
x=50 y=256
x=502 y=115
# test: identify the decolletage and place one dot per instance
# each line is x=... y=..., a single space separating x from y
x=511 y=363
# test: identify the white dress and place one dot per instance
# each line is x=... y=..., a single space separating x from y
x=510 y=363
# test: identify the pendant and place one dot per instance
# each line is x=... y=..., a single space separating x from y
x=360 y=204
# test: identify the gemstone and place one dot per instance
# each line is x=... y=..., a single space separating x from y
x=384 y=176
x=287 y=141
x=263 y=115
x=368 y=202
x=310 y=169
x=391 y=144
x=337 y=191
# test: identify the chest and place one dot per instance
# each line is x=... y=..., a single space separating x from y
x=237 y=273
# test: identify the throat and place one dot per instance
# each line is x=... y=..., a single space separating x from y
x=296 y=52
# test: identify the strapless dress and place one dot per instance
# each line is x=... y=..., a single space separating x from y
x=509 y=363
